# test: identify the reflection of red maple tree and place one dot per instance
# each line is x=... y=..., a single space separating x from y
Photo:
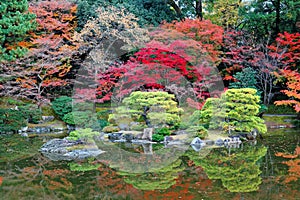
x=293 y=164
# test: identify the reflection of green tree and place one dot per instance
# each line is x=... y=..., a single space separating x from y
x=157 y=179
x=15 y=147
x=238 y=171
x=83 y=167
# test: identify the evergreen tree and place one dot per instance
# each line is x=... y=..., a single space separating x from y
x=15 y=23
x=154 y=108
x=237 y=109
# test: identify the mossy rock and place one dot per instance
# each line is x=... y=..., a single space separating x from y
x=111 y=129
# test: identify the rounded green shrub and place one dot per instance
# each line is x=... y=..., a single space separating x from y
x=157 y=137
x=62 y=106
x=163 y=131
x=86 y=134
x=83 y=119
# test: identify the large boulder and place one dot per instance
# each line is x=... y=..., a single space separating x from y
x=63 y=149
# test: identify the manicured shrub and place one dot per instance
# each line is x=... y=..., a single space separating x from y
x=62 y=106
x=157 y=138
x=86 y=134
x=156 y=109
x=163 y=131
x=83 y=119
x=236 y=110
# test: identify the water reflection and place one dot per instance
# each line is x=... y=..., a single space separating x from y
x=242 y=173
x=238 y=169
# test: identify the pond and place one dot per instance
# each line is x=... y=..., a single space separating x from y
x=268 y=169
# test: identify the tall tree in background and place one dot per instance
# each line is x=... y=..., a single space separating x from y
x=265 y=17
x=149 y=12
x=224 y=13
x=15 y=23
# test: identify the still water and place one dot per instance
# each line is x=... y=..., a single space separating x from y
x=269 y=169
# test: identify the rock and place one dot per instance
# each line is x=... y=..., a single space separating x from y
x=24 y=129
x=47 y=118
x=124 y=127
x=167 y=139
x=114 y=136
x=24 y=134
x=128 y=137
x=59 y=149
x=147 y=134
x=71 y=127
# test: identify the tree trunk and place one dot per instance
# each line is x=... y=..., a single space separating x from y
x=199 y=13
x=277 y=22
x=176 y=8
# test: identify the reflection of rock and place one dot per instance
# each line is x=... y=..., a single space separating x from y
x=128 y=137
x=219 y=142
x=62 y=149
x=147 y=148
x=197 y=142
x=147 y=135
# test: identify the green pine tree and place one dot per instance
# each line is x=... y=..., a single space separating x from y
x=15 y=23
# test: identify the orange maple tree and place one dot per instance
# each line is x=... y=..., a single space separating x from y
x=293 y=89
x=49 y=60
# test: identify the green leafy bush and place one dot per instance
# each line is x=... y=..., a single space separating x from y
x=282 y=109
x=86 y=134
x=31 y=113
x=83 y=119
x=62 y=106
x=102 y=123
x=157 y=138
x=11 y=120
x=163 y=131
x=156 y=109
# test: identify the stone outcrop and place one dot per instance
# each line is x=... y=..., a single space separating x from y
x=63 y=149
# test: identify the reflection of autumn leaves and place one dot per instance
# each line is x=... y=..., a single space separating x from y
x=1 y=180
x=56 y=179
x=293 y=164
